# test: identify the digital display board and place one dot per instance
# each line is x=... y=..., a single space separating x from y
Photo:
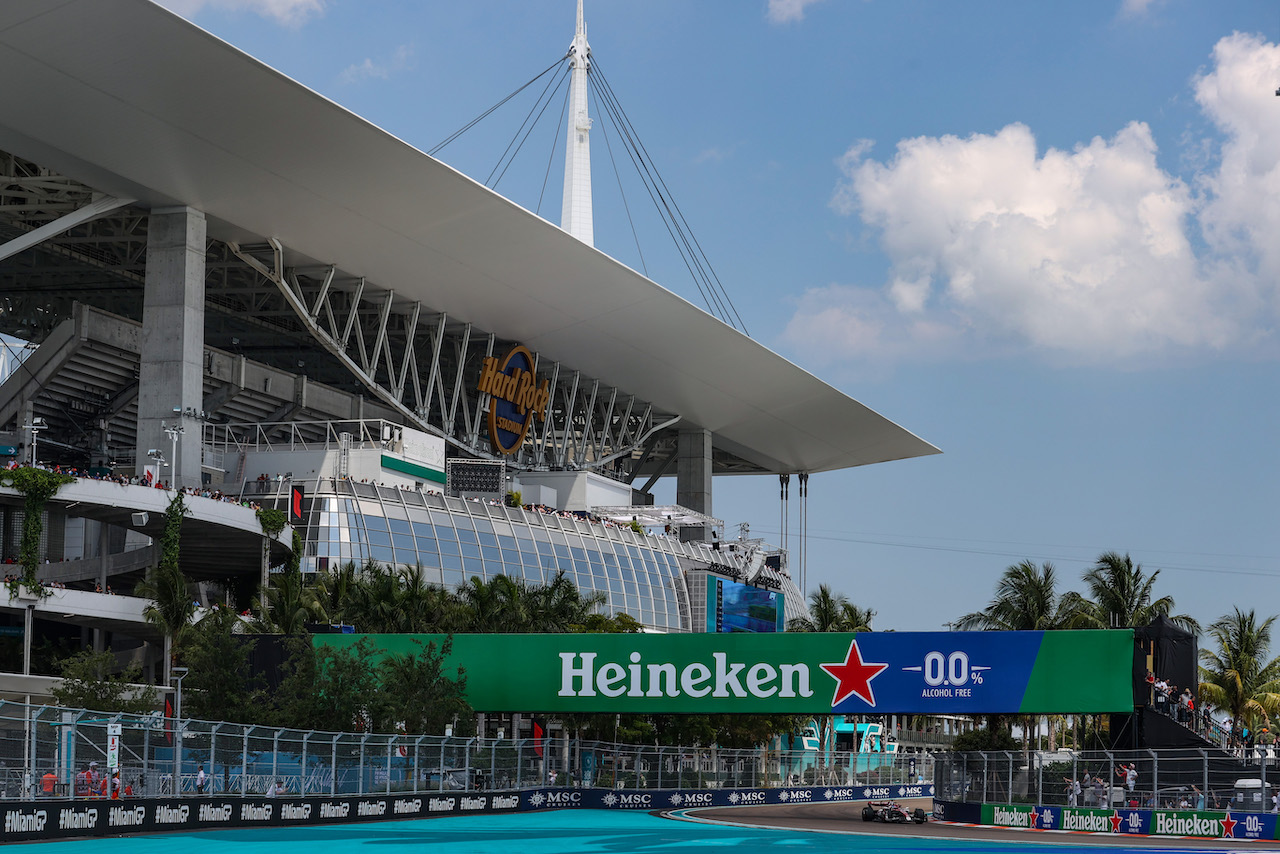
x=735 y=607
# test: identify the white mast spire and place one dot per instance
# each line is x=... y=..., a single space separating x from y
x=575 y=216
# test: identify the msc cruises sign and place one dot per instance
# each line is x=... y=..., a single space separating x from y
x=515 y=397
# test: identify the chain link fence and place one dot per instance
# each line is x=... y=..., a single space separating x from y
x=1205 y=779
x=54 y=752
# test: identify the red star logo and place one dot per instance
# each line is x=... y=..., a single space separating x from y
x=1116 y=821
x=1228 y=826
x=853 y=677
x=1035 y=818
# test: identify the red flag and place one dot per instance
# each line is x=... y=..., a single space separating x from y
x=538 y=735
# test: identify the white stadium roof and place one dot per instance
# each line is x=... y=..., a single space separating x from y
x=135 y=101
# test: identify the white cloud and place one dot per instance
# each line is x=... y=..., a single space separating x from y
x=1136 y=8
x=291 y=13
x=786 y=11
x=381 y=69
x=1089 y=254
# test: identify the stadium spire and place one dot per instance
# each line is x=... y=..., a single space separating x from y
x=575 y=216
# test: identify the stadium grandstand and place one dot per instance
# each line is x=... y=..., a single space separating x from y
x=354 y=331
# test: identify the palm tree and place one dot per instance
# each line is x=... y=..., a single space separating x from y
x=561 y=607
x=290 y=604
x=171 y=607
x=856 y=619
x=832 y=612
x=1026 y=600
x=1235 y=678
x=1120 y=596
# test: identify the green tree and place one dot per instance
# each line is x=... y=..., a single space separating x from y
x=1026 y=600
x=219 y=684
x=832 y=612
x=1121 y=595
x=93 y=680
x=418 y=694
x=171 y=607
x=37 y=487
x=325 y=688
x=1238 y=677
x=287 y=604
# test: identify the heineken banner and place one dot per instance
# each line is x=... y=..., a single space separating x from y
x=1064 y=672
x=1139 y=822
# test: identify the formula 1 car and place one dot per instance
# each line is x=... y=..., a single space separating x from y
x=892 y=812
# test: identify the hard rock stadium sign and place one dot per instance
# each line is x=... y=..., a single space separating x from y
x=1066 y=672
x=515 y=397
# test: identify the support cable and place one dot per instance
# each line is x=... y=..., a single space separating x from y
x=469 y=125
x=718 y=286
x=555 y=137
x=526 y=135
x=654 y=194
x=626 y=207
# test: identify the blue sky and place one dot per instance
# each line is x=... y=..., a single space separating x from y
x=1044 y=237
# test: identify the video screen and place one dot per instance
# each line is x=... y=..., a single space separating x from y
x=743 y=608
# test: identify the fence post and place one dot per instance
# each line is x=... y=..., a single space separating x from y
x=1155 y=779
x=333 y=766
x=213 y=753
x=466 y=768
x=493 y=763
x=1009 y=794
x=360 y=774
x=30 y=776
x=390 y=743
x=305 y=737
x=520 y=760
x=1040 y=798
x=443 y=742
x=1204 y=768
x=417 y=755
x=244 y=763
x=1259 y=747
x=275 y=757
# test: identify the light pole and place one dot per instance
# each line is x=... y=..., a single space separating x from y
x=157 y=456
x=37 y=424
x=174 y=431
x=177 y=674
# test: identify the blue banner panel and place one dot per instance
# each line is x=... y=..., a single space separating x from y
x=963 y=813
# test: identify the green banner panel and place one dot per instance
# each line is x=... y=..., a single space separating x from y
x=800 y=673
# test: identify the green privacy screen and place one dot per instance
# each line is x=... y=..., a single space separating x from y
x=1066 y=672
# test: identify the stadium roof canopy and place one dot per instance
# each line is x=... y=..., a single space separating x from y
x=134 y=101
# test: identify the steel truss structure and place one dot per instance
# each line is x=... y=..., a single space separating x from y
x=421 y=363
x=424 y=364
x=70 y=243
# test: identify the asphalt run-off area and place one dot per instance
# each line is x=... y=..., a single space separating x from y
x=816 y=828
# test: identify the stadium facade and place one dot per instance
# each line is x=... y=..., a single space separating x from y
x=234 y=285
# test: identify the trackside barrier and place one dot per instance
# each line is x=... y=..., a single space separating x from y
x=53 y=819
x=49 y=749
x=1133 y=822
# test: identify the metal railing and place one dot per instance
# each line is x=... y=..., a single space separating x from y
x=1207 y=779
x=45 y=751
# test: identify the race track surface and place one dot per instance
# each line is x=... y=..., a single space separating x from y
x=847 y=818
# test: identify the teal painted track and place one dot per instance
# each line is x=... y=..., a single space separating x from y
x=562 y=832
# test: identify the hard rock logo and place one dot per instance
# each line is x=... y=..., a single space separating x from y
x=515 y=397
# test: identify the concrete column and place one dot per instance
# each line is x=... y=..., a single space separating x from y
x=693 y=478
x=172 y=367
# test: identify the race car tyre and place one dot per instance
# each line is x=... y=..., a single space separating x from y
x=919 y=817
x=868 y=814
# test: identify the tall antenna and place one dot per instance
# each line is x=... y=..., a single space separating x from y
x=575 y=217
